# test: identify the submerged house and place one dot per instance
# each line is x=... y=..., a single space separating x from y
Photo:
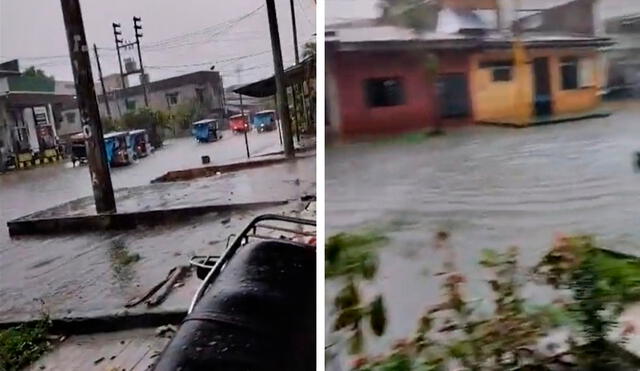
x=467 y=69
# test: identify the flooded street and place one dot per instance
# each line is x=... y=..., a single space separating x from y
x=23 y=192
x=489 y=187
x=84 y=275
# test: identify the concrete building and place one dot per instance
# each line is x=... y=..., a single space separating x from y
x=465 y=70
x=29 y=113
x=203 y=87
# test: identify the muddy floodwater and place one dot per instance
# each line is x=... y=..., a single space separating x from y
x=490 y=188
x=89 y=273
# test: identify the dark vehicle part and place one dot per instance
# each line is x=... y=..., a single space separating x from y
x=255 y=309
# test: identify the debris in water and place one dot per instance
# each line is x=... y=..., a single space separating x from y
x=98 y=360
x=226 y=221
x=164 y=330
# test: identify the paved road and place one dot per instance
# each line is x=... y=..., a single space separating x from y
x=490 y=188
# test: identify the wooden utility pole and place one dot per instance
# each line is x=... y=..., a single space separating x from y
x=281 y=94
x=104 y=91
x=88 y=105
x=143 y=78
x=295 y=31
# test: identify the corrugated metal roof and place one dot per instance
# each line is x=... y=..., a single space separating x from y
x=388 y=33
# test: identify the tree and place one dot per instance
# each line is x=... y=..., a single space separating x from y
x=36 y=72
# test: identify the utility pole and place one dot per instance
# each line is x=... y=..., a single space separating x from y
x=143 y=79
x=117 y=33
x=246 y=141
x=104 y=91
x=295 y=31
x=281 y=94
x=88 y=105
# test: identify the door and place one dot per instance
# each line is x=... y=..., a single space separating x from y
x=453 y=94
x=542 y=87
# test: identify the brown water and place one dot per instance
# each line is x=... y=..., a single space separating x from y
x=490 y=188
x=78 y=274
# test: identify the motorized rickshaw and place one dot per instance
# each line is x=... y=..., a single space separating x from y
x=265 y=121
x=78 y=149
x=139 y=143
x=255 y=308
x=118 y=148
x=205 y=131
x=239 y=124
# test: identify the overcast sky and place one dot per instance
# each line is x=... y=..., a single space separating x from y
x=204 y=32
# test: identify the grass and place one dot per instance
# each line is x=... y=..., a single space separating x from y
x=22 y=345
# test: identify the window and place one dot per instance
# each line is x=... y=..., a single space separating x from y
x=501 y=74
x=130 y=104
x=172 y=98
x=569 y=72
x=200 y=94
x=384 y=92
x=70 y=117
x=587 y=72
x=500 y=70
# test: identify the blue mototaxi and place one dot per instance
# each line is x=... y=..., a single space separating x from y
x=205 y=131
x=265 y=120
x=139 y=144
x=117 y=146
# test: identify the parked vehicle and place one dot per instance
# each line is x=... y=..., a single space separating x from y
x=239 y=124
x=118 y=148
x=265 y=121
x=255 y=309
x=139 y=143
x=78 y=149
x=205 y=131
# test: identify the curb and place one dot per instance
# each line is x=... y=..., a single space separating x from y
x=107 y=323
x=32 y=225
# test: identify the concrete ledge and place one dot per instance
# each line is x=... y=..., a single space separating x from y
x=207 y=171
x=108 y=323
x=32 y=225
x=538 y=121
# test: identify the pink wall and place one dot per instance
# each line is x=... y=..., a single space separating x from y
x=420 y=111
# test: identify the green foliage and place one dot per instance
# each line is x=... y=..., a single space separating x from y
x=186 y=113
x=352 y=254
x=22 y=345
x=36 y=72
x=351 y=257
x=600 y=282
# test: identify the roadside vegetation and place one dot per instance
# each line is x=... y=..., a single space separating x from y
x=22 y=345
x=593 y=285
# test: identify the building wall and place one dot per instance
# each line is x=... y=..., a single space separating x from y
x=576 y=100
x=158 y=99
x=496 y=100
x=502 y=99
x=356 y=118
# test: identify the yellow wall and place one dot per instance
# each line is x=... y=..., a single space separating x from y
x=503 y=100
x=575 y=100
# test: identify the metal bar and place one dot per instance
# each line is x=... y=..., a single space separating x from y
x=230 y=252
x=104 y=91
x=281 y=229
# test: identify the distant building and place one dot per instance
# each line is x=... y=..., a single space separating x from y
x=383 y=79
x=30 y=109
x=202 y=87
